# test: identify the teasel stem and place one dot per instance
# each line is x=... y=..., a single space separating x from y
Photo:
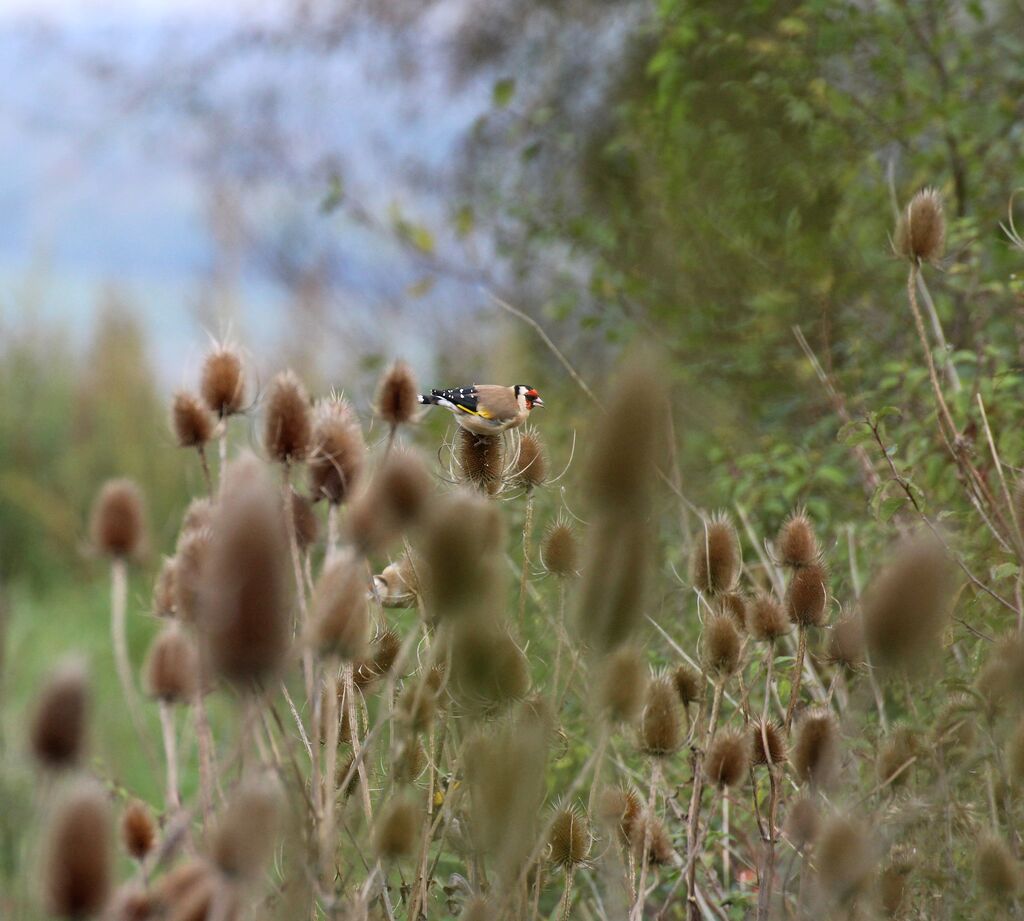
x=798 y=667
x=570 y=872
x=201 y=450
x=652 y=798
x=350 y=703
x=119 y=637
x=767 y=869
x=173 y=796
x=933 y=318
x=693 y=818
x=602 y=746
x=332 y=531
x=222 y=452
x=300 y=585
x=725 y=842
x=527 y=528
x=417 y=907
x=940 y=400
x=330 y=770
x=205 y=745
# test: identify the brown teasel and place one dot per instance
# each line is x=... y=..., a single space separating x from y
x=307 y=527
x=776 y=738
x=191 y=421
x=165 y=601
x=569 y=838
x=138 y=829
x=337 y=459
x=807 y=595
x=845 y=647
x=481 y=460
x=921 y=231
x=897 y=751
x=802 y=822
x=892 y=881
x=396 y=829
x=661 y=728
x=340 y=617
x=488 y=669
x=716 y=559
x=397 y=395
x=559 y=550
x=394 y=501
x=996 y=870
x=58 y=725
x=619 y=808
x=651 y=829
x=288 y=421
x=843 y=856
x=190 y=566
x=796 y=544
x=118 y=525
x=766 y=619
x=244 y=836
x=735 y=606
x=721 y=645
x=222 y=381
x=622 y=684
x=815 y=752
x=171 y=670
x=383 y=653
x=689 y=684
x=529 y=469
x=198 y=516
x=728 y=758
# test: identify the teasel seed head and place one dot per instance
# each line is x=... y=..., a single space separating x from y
x=895 y=751
x=410 y=762
x=190 y=565
x=132 y=902
x=661 y=727
x=530 y=468
x=803 y=822
x=191 y=421
x=397 y=828
x=735 y=606
x=796 y=544
x=559 y=551
x=222 y=381
x=623 y=684
x=807 y=595
x=659 y=851
x=488 y=669
x=721 y=645
x=766 y=620
x=816 y=750
x=619 y=808
x=1015 y=754
x=569 y=839
x=307 y=527
x=844 y=856
x=776 y=751
x=892 y=881
x=341 y=620
x=477 y=909
x=57 y=730
x=907 y=605
x=716 y=559
x=337 y=458
x=481 y=460
x=77 y=866
x=198 y=517
x=118 y=523
x=383 y=653
x=138 y=829
x=728 y=758
x=689 y=684
x=395 y=501
x=418 y=704
x=244 y=836
x=165 y=592
x=288 y=423
x=397 y=395
x=245 y=616
x=921 y=231
x=996 y=869
x=171 y=670
x=954 y=731
x=846 y=643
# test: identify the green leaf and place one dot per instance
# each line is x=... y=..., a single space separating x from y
x=1005 y=570
x=504 y=90
x=889 y=507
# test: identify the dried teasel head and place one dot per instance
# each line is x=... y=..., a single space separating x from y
x=138 y=829
x=895 y=756
x=735 y=606
x=661 y=726
x=477 y=908
x=996 y=870
x=807 y=595
x=766 y=619
x=1015 y=753
x=721 y=645
x=529 y=469
x=198 y=516
x=623 y=684
x=396 y=830
x=57 y=729
x=340 y=618
x=171 y=670
x=244 y=617
x=383 y=653
x=191 y=420
x=689 y=684
x=337 y=458
x=77 y=868
x=132 y=902
x=222 y=381
x=190 y=566
x=488 y=669
x=775 y=751
x=803 y=822
x=619 y=808
x=892 y=881
x=569 y=838
x=650 y=829
x=845 y=647
x=844 y=857
x=118 y=525
x=481 y=460
x=307 y=527
x=244 y=836
x=165 y=592
x=410 y=761
x=397 y=395
x=816 y=749
x=716 y=559
x=921 y=231
x=288 y=422
x=559 y=551
x=796 y=544
x=728 y=757
x=395 y=501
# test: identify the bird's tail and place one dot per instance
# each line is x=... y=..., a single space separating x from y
x=427 y=400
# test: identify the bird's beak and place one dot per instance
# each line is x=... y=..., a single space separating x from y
x=537 y=401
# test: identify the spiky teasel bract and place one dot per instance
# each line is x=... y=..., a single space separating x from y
x=288 y=420
x=337 y=456
x=569 y=839
x=418 y=704
x=895 y=753
x=529 y=465
x=796 y=544
x=132 y=902
x=766 y=619
x=661 y=726
x=622 y=684
x=383 y=653
x=245 y=616
x=735 y=605
x=340 y=618
x=650 y=829
x=397 y=395
x=907 y=605
x=77 y=868
x=171 y=670
x=165 y=601
x=58 y=724
x=198 y=516
x=307 y=527
x=1001 y=679
x=955 y=731
x=138 y=829
x=775 y=753
x=996 y=869
x=802 y=822
x=1015 y=753
x=728 y=757
x=921 y=231
x=689 y=684
x=410 y=761
x=721 y=645
x=190 y=565
x=118 y=526
x=191 y=421
x=195 y=890
x=807 y=595
x=481 y=460
x=619 y=808
x=488 y=669
x=815 y=752
x=396 y=829
x=559 y=550
x=246 y=832
x=845 y=647
x=893 y=879
x=716 y=559
x=477 y=908
x=395 y=501
x=222 y=381
x=844 y=856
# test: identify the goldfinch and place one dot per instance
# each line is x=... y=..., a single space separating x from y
x=486 y=409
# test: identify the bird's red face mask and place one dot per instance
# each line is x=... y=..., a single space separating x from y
x=533 y=399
